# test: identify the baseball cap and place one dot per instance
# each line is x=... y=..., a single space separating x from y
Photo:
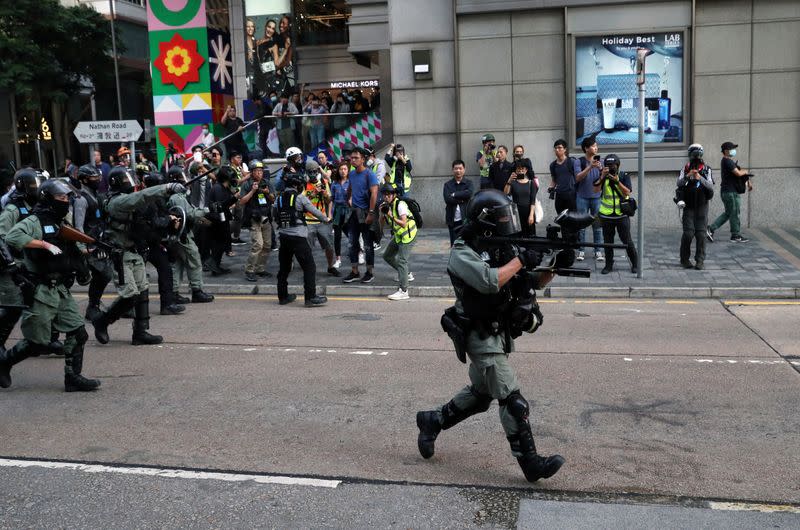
x=729 y=145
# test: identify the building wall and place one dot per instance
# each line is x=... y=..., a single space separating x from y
x=506 y=69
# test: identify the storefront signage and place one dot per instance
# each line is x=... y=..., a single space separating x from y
x=606 y=96
x=371 y=83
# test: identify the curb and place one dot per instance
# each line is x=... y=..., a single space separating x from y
x=636 y=293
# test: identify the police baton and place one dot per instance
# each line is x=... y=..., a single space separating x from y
x=201 y=175
x=245 y=126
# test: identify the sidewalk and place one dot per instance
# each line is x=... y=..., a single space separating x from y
x=768 y=266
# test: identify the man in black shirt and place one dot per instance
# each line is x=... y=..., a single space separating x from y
x=501 y=169
x=457 y=193
x=735 y=181
x=234 y=124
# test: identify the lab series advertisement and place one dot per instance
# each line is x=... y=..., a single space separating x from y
x=606 y=94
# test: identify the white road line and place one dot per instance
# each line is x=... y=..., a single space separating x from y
x=173 y=473
x=753 y=507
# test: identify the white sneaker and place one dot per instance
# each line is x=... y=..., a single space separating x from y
x=399 y=295
x=376 y=246
x=410 y=277
x=598 y=256
x=361 y=258
x=581 y=256
x=337 y=264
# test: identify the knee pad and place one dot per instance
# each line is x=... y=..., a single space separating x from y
x=517 y=406
x=484 y=400
x=80 y=335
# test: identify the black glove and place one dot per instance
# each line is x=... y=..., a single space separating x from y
x=530 y=258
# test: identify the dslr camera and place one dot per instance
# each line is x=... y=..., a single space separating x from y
x=385 y=207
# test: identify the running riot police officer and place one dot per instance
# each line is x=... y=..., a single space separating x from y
x=19 y=206
x=51 y=264
x=87 y=216
x=495 y=303
x=120 y=206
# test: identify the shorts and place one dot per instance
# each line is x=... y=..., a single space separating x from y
x=321 y=232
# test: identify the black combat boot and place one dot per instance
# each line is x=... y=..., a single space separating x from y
x=182 y=300
x=93 y=312
x=8 y=358
x=430 y=425
x=432 y=422
x=8 y=319
x=119 y=307
x=172 y=309
x=56 y=347
x=142 y=322
x=200 y=297
x=73 y=364
x=534 y=466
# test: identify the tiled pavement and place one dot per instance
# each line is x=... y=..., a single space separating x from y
x=766 y=266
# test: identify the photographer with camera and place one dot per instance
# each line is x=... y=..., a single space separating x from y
x=485 y=158
x=398 y=172
x=522 y=191
x=319 y=193
x=588 y=197
x=735 y=182
x=257 y=197
x=220 y=200
x=695 y=189
x=404 y=230
x=615 y=187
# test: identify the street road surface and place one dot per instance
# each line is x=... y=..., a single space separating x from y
x=669 y=414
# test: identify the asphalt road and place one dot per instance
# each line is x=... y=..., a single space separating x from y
x=672 y=404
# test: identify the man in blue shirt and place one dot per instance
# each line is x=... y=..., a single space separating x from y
x=588 y=199
x=363 y=199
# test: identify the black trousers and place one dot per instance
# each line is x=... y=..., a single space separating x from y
x=695 y=222
x=220 y=238
x=202 y=241
x=566 y=201
x=621 y=226
x=159 y=257
x=454 y=230
x=296 y=247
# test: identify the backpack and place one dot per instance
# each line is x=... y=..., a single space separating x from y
x=416 y=211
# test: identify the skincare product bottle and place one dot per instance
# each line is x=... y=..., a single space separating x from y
x=651 y=116
x=664 y=110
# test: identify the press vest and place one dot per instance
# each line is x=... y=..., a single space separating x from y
x=403 y=234
x=610 y=201
x=406 y=177
x=488 y=158
x=316 y=200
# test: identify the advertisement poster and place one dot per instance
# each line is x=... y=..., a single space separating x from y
x=606 y=94
x=269 y=48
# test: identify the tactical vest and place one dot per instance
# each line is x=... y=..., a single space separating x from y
x=406 y=177
x=259 y=205
x=403 y=234
x=22 y=207
x=484 y=309
x=288 y=215
x=47 y=267
x=94 y=223
x=121 y=223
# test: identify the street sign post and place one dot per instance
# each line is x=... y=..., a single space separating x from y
x=117 y=131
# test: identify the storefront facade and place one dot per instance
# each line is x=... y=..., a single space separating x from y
x=531 y=72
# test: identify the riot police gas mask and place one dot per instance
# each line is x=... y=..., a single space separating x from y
x=313 y=177
x=58 y=206
x=93 y=183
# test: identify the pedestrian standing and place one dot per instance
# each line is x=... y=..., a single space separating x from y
x=614 y=187
x=341 y=208
x=456 y=192
x=587 y=195
x=696 y=187
x=522 y=191
x=501 y=169
x=562 y=178
x=485 y=158
x=735 y=182
x=404 y=231
x=363 y=201
x=257 y=197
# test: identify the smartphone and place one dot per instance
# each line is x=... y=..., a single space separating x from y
x=596 y=158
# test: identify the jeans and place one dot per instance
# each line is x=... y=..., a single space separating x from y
x=733 y=207
x=364 y=230
x=591 y=205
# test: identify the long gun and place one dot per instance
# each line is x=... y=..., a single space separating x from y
x=69 y=233
x=560 y=238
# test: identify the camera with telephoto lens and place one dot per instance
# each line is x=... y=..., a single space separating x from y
x=385 y=207
x=551 y=193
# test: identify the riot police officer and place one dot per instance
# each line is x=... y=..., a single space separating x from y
x=120 y=206
x=187 y=256
x=152 y=228
x=495 y=303
x=20 y=204
x=87 y=217
x=51 y=264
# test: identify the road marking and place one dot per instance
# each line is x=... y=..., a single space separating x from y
x=717 y=361
x=757 y=303
x=173 y=473
x=753 y=507
x=267 y=348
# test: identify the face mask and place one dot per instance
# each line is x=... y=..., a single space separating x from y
x=274 y=99
x=93 y=184
x=197 y=157
x=517 y=156
x=60 y=209
x=126 y=188
x=370 y=162
x=732 y=152
x=205 y=131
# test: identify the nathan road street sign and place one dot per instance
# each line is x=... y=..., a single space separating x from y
x=89 y=132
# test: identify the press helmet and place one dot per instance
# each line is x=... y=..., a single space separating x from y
x=695 y=151
x=491 y=212
x=119 y=180
x=293 y=152
x=26 y=183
